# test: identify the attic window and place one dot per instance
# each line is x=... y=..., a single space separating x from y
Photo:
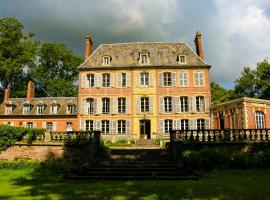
x=181 y=59
x=144 y=58
x=106 y=60
x=9 y=109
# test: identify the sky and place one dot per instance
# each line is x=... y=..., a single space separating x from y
x=235 y=33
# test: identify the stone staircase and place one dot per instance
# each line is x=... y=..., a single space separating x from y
x=137 y=164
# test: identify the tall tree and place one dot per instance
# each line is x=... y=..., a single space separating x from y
x=17 y=54
x=56 y=72
x=263 y=79
x=219 y=94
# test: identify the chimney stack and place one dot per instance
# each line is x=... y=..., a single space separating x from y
x=30 y=90
x=6 y=95
x=88 y=46
x=198 y=44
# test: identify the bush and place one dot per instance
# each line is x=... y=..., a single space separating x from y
x=240 y=160
x=9 y=135
x=262 y=159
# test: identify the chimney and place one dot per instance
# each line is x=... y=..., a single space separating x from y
x=88 y=46
x=30 y=90
x=198 y=43
x=6 y=95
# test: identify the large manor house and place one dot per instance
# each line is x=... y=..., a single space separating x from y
x=137 y=90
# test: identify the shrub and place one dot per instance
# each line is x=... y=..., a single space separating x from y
x=262 y=159
x=240 y=159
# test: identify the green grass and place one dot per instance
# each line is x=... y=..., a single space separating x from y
x=31 y=180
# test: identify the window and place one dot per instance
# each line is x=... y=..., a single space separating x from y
x=144 y=79
x=121 y=126
x=26 y=109
x=29 y=125
x=121 y=105
x=105 y=106
x=199 y=78
x=167 y=79
x=199 y=103
x=259 y=117
x=90 y=105
x=168 y=104
x=69 y=126
x=200 y=124
x=54 y=109
x=90 y=80
x=233 y=120
x=184 y=104
x=9 y=109
x=167 y=125
x=71 y=109
x=183 y=79
x=106 y=80
x=105 y=126
x=144 y=104
x=49 y=126
x=106 y=60
x=89 y=125
x=182 y=59
x=184 y=124
x=144 y=58
x=40 y=109
x=123 y=79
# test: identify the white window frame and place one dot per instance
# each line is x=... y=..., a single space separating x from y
x=29 y=125
x=105 y=127
x=182 y=59
x=89 y=125
x=184 y=123
x=49 y=126
x=54 y=109
x=259 y=120
x=183 y=77
x=69 y=126
x=90 y=106
x=144 y=79
x=184 y=104
x=122 y=105
x=200 y=103
x=26 y=108
x=106 y=105
x=90 y=80
x=71 y=109
x=106 y=60
x=106 y=80
x=8 y=109
x=123 y=79
x=145 y=104
x=199 y=78
x=144 y=58
x=200 y=123
x=40 y=109
x=167 y=79
x=168 y=104
x=168 y=125
x=121 y=127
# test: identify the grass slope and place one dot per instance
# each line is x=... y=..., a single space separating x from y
x=31 y=181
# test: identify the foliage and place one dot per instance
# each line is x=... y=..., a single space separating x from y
x=9 y=135
x=219 y=94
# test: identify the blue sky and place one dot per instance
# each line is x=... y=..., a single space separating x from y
x=235 y=33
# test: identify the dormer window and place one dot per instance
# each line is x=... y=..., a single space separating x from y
x=26 y=108
x=181 y=59
x=40 y=109
x=106 y=60
x=71 y=109
x=9 y=109
x=144 y=58
x=54 y=108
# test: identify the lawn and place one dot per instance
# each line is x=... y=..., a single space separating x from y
x=33 y=181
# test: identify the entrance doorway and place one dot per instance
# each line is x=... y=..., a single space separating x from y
x=221 y=121
x=145 y=128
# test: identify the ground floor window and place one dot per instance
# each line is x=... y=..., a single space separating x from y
x=184 y=124
x=29 y=124
x=69 y=126
x=105 y=126
x=89 y=125
x=168 y=125
x=259 y=117
x=121 y=126
x=49 y=126
x=200 y=124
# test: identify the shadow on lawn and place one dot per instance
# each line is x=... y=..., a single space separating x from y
x=46 y=181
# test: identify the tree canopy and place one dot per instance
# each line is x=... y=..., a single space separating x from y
x=219 y=94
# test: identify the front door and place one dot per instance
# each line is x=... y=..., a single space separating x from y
x=145 y=129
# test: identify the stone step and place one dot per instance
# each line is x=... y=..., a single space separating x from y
x=131 y=173
x=134 y=165
x=134 y=157
x=180 y=177
x=129 y=169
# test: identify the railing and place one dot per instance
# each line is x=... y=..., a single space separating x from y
x=215 y=135
x=74 y=135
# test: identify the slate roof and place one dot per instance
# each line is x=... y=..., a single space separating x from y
x=127 y=54
x=18 y=104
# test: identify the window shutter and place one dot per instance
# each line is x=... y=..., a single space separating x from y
x=34 y=124
x=11 y=123
x=138 y=105
x=161 y=104
x=95 y=105
x=173 y=79
x=44 y=125
x=111 y=127
x=160 y=79
x=207 y=124
x=98 y=81
x=112 y=79
x=98 y=125
x=128 y=79
x=128 y=127
x=54 y=126
x=82 y=125
x=114 y=104
x=178 y=125
x=114 y=127
x=83 y=106
x=138 y=80
x=207 y=103
x=99 y=106
x=24 y=124
x=193 y=104
x=191 y=124
x=119 y=80
x=175 y=104
x=128 y=105
x=174 y=124
x=151 y=105
x=161 y=126
x=150 y=79
x=83 y=81
x=190 y=104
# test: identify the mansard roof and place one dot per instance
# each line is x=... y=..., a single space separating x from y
x=18 y=104
x=127 y=55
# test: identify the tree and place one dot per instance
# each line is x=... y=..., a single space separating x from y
x=17 y=54
x=263 y=79
x=219 y=94
x=56 y=72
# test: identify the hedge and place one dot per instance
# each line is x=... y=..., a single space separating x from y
x=9 y=135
